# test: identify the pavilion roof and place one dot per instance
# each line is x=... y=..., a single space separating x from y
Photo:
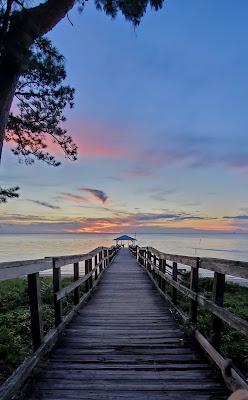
x=125 y=237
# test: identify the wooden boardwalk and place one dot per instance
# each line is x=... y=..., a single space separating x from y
x=125 y=344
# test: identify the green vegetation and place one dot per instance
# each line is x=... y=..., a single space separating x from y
x=15 y=333
x=234 y=345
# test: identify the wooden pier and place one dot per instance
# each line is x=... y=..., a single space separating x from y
x=121 y=340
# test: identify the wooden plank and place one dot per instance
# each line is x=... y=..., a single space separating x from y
x=228 y=267
x=180 y=259
x=235 y=322
x=15 y=269
x=21 y=374
x=183 y=289
x=125 y=342
x=72 y=286
x=35 y=309
x=228 y=317
x=71 y=259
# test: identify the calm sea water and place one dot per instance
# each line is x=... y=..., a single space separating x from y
x=28 y=246
x=24 y=247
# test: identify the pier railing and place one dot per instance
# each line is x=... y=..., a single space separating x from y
x=94 y=263
x=165 y=270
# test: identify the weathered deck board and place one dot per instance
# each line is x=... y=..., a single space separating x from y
x=125 y=344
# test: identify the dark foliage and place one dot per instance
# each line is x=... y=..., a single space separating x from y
x=132 y=10
x=41 y=99
x=8 y=193
x=41 y=96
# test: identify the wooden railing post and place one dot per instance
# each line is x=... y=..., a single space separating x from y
x=100 y=261
x=160 y=266
x=90 y=278
x=86 y=272
x=174 y=277
x=137 y=253
x=154 y=272
x=162 y=269
x=218 y=298
x=35 y=309
x=107 y=254
x=140 y=255
x=106 y=261
x=194 y=278
x=96 y=271
x=148 y=260
x=76 y=294
x=57 y=288
x=143 y=260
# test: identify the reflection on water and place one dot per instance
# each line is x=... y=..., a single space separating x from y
x=21 y=247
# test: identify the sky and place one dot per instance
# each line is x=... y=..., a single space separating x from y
x=161 y=122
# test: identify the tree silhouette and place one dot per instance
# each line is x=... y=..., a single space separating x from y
x=41 y=98
x=33 y=71
x=10 y=193
x=21 y=49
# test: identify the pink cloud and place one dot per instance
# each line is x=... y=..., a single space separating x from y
x=73 y=197
x=96 y=194
x=93 y=195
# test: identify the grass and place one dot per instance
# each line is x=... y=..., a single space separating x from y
x=15 y=333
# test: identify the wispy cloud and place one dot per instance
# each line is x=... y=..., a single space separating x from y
x=119 y=221
x=96 y=193
x=91 y=196
x=166 y=216
x=238 y=217
x=44 y=204
x=192 y=204
x=73 y=197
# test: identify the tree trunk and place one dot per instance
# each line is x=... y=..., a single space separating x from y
x=26 y=26
x=8 y=82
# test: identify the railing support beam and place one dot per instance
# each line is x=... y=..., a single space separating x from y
x=174 y=277
x=75 y=278
x=35 y=309
x=218 y=298
x=194 y=279
x=57 y=288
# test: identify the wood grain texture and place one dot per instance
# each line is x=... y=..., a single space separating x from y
x=125 y=344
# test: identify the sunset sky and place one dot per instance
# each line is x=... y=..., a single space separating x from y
x=161 y=121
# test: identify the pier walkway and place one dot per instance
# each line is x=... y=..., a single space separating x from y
x=124 y=343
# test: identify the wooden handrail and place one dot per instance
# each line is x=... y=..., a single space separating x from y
x=15 y=269
x=223 y=266
x=100 y=257
x=148 y=257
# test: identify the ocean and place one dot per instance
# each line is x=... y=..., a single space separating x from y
x=30 y=246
